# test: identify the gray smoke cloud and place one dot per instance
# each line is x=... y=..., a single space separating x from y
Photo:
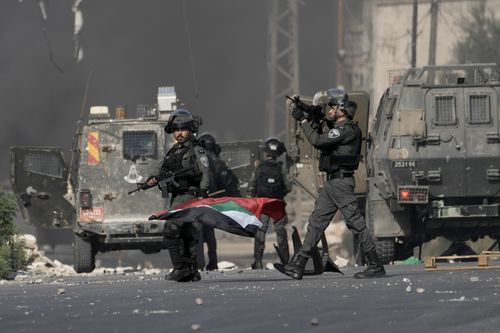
x=132 y=47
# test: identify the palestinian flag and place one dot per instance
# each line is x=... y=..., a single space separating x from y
x=235 y=215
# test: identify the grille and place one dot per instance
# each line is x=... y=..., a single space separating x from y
x=43 y=163
x=479 y=109
x=445 y=110
x=147 y=112
x=413 y=194
x=139 y=144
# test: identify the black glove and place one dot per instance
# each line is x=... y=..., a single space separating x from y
x=203 y=194
x=298 y=114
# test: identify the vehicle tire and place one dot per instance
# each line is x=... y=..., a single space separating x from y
x=385 y=249
x=84 y=254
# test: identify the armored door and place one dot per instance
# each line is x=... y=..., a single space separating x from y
x=481 y=141
x=444 y=152
x=130 y=154
x=40 y=182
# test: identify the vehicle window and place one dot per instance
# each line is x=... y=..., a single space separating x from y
x=412 y=98
x=446 y=113
x=43 y=163
x=479 y=109
x=139 y=144
x=236 y=157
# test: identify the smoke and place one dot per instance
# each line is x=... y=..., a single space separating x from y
x=132 y=48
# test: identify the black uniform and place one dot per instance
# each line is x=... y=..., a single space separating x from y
x=270 y=180
x=340 y=152
x=182 y=238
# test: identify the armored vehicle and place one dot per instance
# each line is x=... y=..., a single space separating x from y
x=434 y=160
x=112 y=154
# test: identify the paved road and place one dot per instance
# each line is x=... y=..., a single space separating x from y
x=256 y=301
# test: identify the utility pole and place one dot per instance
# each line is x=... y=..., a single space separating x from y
x=414 y=35
x=283 y=62
x=340 y=44
x=433 y=39
x=433 y=33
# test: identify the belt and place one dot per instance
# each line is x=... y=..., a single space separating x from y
x=339 y=174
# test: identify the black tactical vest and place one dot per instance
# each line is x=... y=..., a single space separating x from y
x=173 y=162
x=269 y=180
x=344 y=156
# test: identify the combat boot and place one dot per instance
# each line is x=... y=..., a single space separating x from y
x=375 y=267
x=257 y=264
x=295 y=268
x=195 y=273
x=212 y=267
x=181 y=268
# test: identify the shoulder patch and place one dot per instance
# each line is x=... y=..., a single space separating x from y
x=333 y=133
x=204 y=161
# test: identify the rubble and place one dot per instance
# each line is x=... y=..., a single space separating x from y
x=39 y=264
x=226 y=265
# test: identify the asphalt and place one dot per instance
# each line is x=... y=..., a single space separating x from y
x=409 y=299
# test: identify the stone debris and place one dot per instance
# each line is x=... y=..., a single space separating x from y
x=406 y=280
x=314 y=322
x=269 y=266
x=420 y=290
x=151 y=271
x=461 y=299
x=199 y=301
x=341 y=262
x=195 y=327
x=61 y=291
x=226 y=265
x=113 y=270
x=408 y=289
x=39 y=264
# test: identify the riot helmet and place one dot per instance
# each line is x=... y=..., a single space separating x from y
x=349 y=107
x=179 y=119
x=273 y=147
x=344 y=104
x=207 y=141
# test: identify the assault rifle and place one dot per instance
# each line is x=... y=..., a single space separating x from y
x=313 y=113
x=165 y=180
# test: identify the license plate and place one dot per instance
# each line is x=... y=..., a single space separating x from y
x=404 y=164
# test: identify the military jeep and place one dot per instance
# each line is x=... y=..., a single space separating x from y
x=111 y=155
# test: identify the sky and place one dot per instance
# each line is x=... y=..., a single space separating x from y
x=132 y=48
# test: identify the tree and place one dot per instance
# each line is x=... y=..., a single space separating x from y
x=12 y=256
x=481 y=37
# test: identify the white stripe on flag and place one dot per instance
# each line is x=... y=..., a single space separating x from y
x=241 y=218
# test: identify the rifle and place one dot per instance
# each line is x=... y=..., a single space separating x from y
x=313 y=113
x=164 y=180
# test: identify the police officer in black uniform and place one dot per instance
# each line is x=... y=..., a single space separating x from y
x=271 y=180
x=181 y=238
x=340 y=148
x=222 y=180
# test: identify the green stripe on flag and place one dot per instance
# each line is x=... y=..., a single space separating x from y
x=230 y=205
